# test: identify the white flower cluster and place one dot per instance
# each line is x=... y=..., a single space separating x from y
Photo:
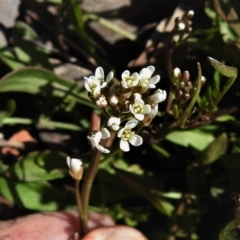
x=128 y=101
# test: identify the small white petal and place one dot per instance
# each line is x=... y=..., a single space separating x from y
x=120 y=132
x=151 y=69
x=135 y=79
x=139 y=101
x=137 y=96
x=76 y=164
x=139 y=117
x=103 y=85
x=125 y=74
x=124 y=145
x=86 y=85
x=151 y=86
x=69 y=162
x=145 y=73
x=154 y=80
x=115 y=127
x=102 y=149
x=131 y=109
x=131 y=124
x=146 y=109
x=99 y=73
x=109 y=77
x=105 y=133
x=124 y=84
x=136 y=140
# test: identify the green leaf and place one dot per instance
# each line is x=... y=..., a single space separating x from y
x=8 y=112
x=34 y=195
x=35 y=80
x=215 y=150
x=24 y=30
x=40 y=166
x=223 y=69
x=198 y=138
x=9 y=59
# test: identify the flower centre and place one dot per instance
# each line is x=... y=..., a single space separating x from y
x=93 y=85
x=138 y=108
x=127 y=134
x=129 y=81
x=145 y=81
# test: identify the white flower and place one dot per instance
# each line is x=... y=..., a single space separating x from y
x=99 y=74
x=146 y=79
x=75 y=168
x=139 y=108
x=95 y=139
x=157 y=97
x=129 y=81
x=114 y=123
x=127 y=135
x=93 y=84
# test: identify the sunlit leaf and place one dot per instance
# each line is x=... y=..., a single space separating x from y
x=197 y=138
x=36 y=80
x=40 y=166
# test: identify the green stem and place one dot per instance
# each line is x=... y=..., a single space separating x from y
x=82 y=224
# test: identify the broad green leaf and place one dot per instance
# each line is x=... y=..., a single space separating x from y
x=9 y=59
x=198 y=138
x=215 y=150
x=40 y=196
x=35 y=80
x=39 y=166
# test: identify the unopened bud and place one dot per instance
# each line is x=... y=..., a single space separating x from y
x=181 y=26
x=181 y=85
x=102 y=102
x=190 y=14
x=186 y=96
x=179 y=93
x=176 y=73
x=203 y=80
x=75 y=168
x=113 y=100
x=186 y=76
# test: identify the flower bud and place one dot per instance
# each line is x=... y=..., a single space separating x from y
x=203 y=80
x=186 y=76
x=181 y=26
x=75 y=168
x=181 y=85
x=176 y=73
x=190 y=14
x=102 y=102
x=113 y=100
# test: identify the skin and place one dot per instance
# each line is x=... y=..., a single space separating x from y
x=62 y=226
